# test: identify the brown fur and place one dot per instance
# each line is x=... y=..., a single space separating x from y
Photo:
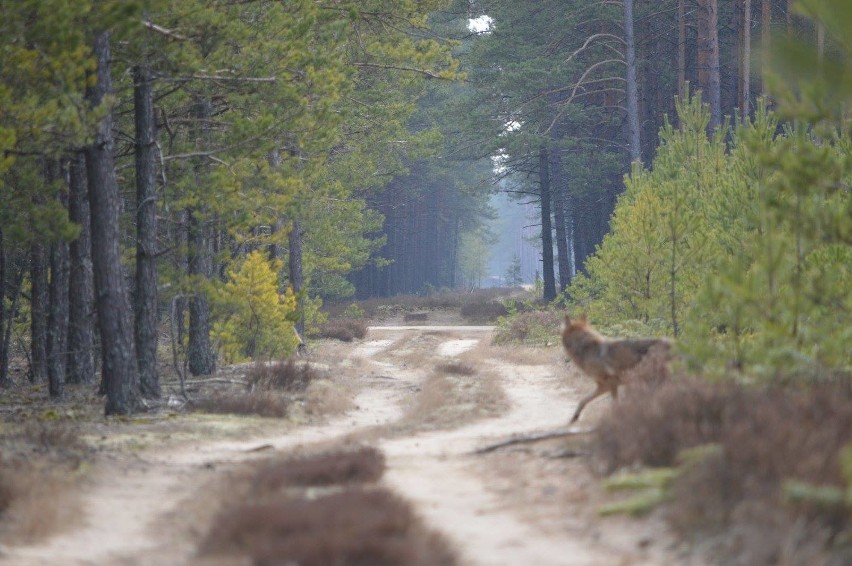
x=604 y=359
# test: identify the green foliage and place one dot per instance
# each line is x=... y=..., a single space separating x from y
x=745 y=250
x=648 y=268
x=254 y=318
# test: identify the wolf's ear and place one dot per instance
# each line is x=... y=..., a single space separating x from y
x=567 y=319
x=584 y=318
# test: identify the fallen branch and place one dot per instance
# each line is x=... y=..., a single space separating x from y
x=210 y=380
x=532 y=438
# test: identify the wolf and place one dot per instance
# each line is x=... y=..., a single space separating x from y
x=604 y=359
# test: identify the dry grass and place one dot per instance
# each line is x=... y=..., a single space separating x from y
x=531 y=327
x=345 y=330
x=39 y=470
x=449 y=399
x=352 y=527
x=456 y=368
x=355 y=524
x=486 y=311
x=325 y=398
x=340 y=467
x=281 y=376
x=449 y=300
x=263 y=404
x=757 y=438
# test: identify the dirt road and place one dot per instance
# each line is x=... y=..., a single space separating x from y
x=515 y=506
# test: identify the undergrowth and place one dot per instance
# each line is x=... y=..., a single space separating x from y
x=734 y=450
x=283 y=518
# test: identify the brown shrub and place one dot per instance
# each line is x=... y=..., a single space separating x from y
x=47 y=436
x=415 y=316
x=263 y=404
x=484 y=311
x=759 y=437
x=353 y=527
x=363 y=465
x=344 y=330
x=282 y=376
x=455 y=368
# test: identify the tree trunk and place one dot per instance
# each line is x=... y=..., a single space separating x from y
x=57 y=327
x=765 y=34
x=633 y=141
x=681 y=48
x=563 y=257
x=12 y=291
x=708 y=59
x=744 y=101
x=113 y=305
x=81 y=293
x=199 y=265
x=546 y=227
x=4 y=316
x=39 y=299
x=200 y=352
x=297 y=278
x=146 y=233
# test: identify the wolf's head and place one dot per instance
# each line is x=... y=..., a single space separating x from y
x=574 y=324
x=575 y=330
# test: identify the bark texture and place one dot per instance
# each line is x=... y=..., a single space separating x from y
x=120 y=374
x=146 y=320
x=546 y=226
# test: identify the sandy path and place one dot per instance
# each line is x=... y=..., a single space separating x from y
x=130 y=502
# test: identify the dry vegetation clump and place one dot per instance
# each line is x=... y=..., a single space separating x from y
x=345 y=330
x=263 y=404
x=533 y=327
x=445 y=300
x=415 y=317
x=352 y=527
x=39 y=467
x=280 y=376
x=752 y=441
x=451 y=398
x=282 y=519
x=487 y=311
x=364 y=465
x=456 y=368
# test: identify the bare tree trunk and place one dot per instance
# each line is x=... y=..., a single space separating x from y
x=297 y=278
x=199 y=265
x=681 y=48
x=11 y=290
x=113 y=305
x=81 y=293
x=200 y=352
x=633 y=141
x=146 y=233
x=57 y=328
x=708 y=59
x=765 y=33
x=563 y=257
x=745 y=60
x=39 y=299
x=546 y=226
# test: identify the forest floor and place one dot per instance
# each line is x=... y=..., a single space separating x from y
x=426 y=397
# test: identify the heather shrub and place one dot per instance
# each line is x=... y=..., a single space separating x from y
x=281 y=376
